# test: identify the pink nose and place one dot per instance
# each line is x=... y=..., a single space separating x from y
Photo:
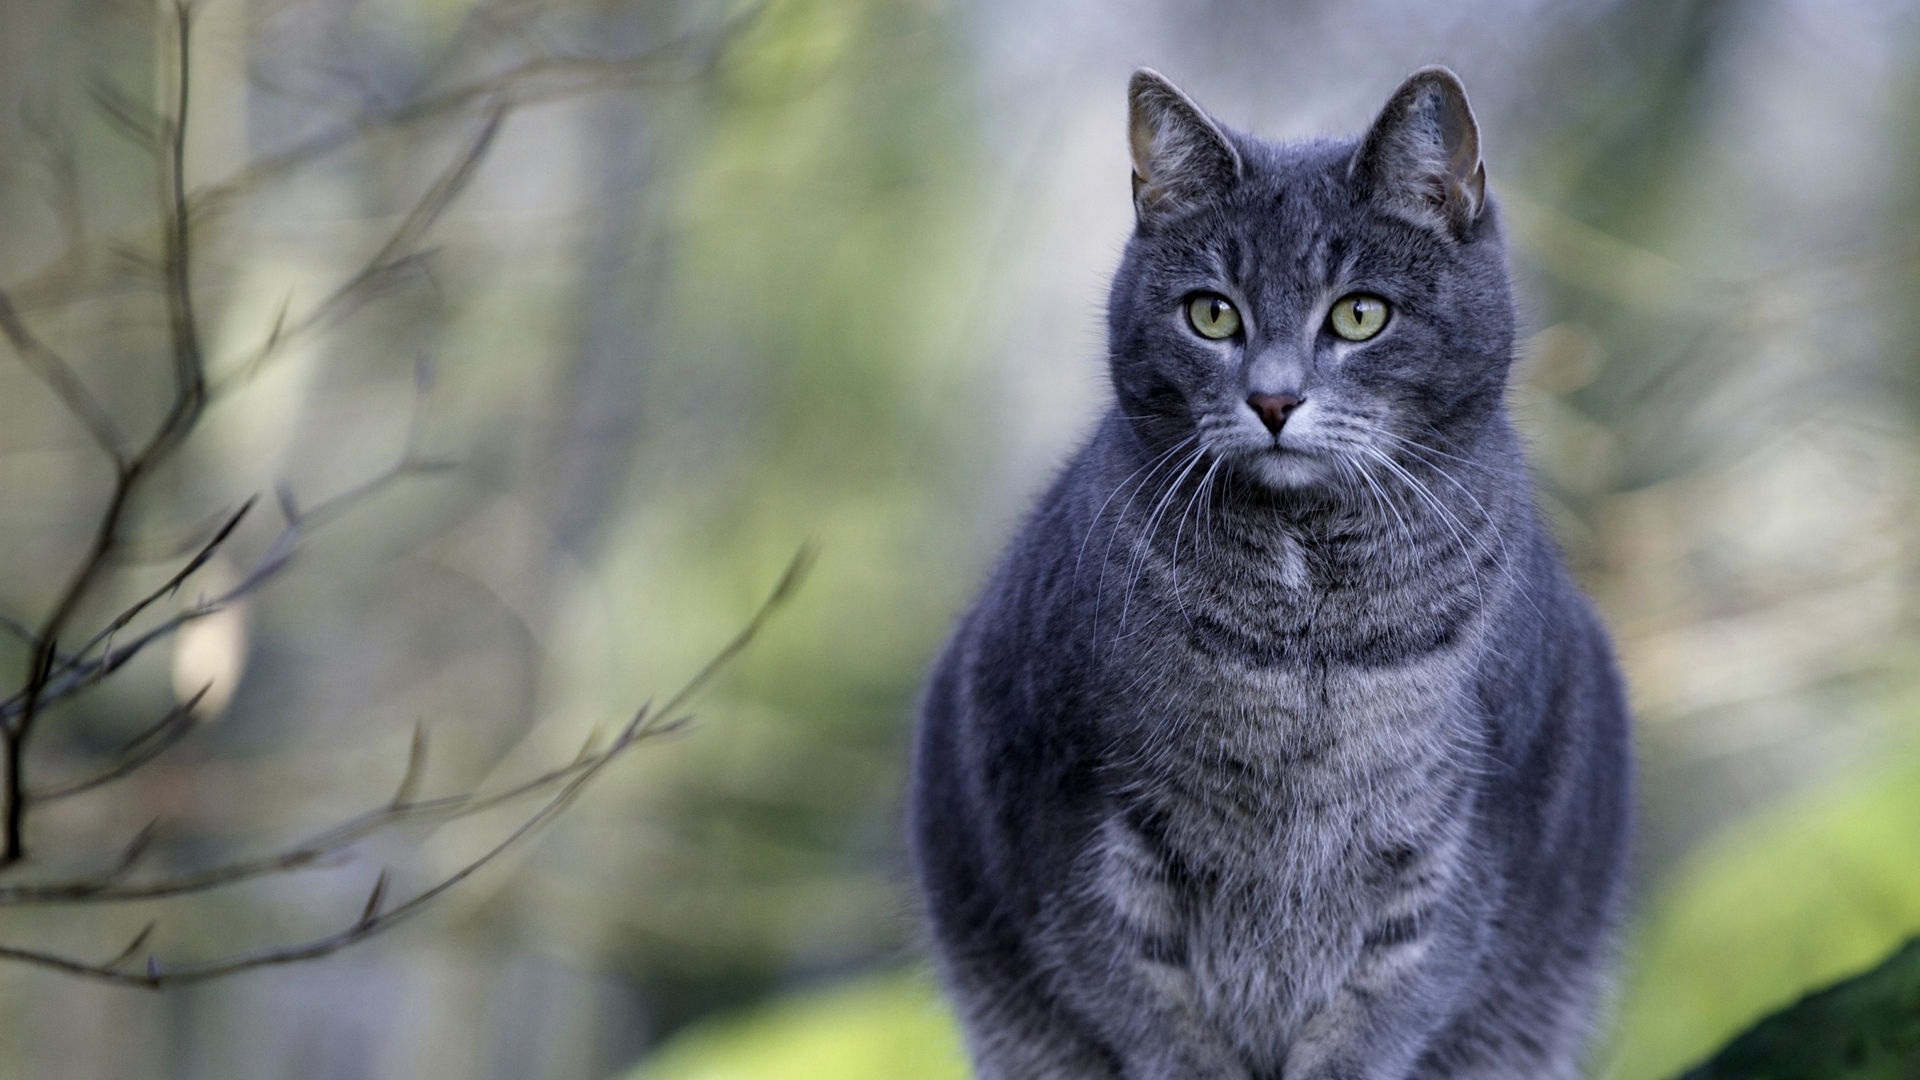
x=1273 y=409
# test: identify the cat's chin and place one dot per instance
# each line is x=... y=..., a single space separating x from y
x=1286 y=470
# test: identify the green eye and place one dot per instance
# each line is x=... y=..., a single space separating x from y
x=1358 y=317
x=1212 y=316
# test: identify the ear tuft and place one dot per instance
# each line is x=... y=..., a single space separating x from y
x=1181 y=158
x=1421 y=159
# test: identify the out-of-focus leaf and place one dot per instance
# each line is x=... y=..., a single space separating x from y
x=1796 y=899
x=887 y=1027
x=1867 y=1028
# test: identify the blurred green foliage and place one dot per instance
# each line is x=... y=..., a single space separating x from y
x=1866 y=1028
x=1814 y=890
x=885 y=1027
x=802 y=385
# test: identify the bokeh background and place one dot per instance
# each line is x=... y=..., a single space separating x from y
x=733 y=279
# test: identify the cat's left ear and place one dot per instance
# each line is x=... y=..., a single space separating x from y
x=1421 y=158
x=1181 y=158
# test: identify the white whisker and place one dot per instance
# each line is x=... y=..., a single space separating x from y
x=1199 y=490
x=1106 y=556
x=1138 y=565
x=1454 y=525
x=1102 y=512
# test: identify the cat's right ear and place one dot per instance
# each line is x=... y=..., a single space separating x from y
x=1181 y=158
x=1421 y=158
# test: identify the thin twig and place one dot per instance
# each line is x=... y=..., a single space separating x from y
x=133 y=947
x=374 y=917
x=80 y=672
x=184 y=413
x=69 y=675
x=52 y=674
x=569 y=76
x=131 y=118
x=59 y=376
x=190 y=389
x=63 y=176
x=143 y=748
x=388 y=259
x=172 y=585
x=530 y=82
x=110 y=887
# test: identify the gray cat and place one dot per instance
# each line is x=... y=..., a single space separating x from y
x=1280 y=745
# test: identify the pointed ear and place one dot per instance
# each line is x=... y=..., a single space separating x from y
x=1181 y=158
x=1421 y=159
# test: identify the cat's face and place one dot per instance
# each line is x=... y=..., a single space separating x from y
x=1301 y=311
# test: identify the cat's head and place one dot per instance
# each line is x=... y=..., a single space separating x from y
x=1299 y=307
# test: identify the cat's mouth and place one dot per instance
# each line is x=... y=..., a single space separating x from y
x=1283 y=465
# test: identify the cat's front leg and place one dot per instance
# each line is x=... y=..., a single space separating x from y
x=1115 y=944
x=1146 y=1014
x=1049 y=1024
x=1407 y=982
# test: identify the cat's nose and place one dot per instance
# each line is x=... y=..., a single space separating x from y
x=1273 y=409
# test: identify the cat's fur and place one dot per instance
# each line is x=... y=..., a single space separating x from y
x=1289 y=755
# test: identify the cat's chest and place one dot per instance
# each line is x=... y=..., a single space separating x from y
x=1266 y=820
x=1295 y=661
x=1264 y=772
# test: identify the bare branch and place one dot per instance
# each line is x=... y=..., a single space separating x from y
x=106 y=972
x=133 y=947
x=78 y=672
x=172 y=585
x=783 y=590
x=416 y=765
x=539 y=79
x=645 y=723
x=570 y=779
x=59 y=376
x=130 y=117
x=136 y=847
x=109 y=887
x=52 y=675
x=190 y=390
x=157 y=739
x=371 y=912
x=392 y=256
x=188 y=402
x=63 y=175
x=544 y=78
